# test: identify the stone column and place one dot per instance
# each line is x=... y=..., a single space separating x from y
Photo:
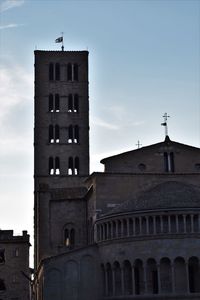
x=154 y=224
x=128 y=229
x=140 y=225
x=133 y=280
x=122 y=279
x=187 y=278
x=133 y=226
x=177 y=224
x=113 y=281
x=161 y=224
x=159 y=281
x=184 y=223
x=192 y=223
x=173 y=278
x=145 y=278
x=147 y=225
x=169 y=224
x=106 y=282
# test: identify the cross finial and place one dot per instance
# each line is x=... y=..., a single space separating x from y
x=165 y=116
x=138 y=144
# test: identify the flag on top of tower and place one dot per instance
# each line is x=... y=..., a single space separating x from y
x=59 y=40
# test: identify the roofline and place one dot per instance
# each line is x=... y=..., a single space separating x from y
x=167 y=140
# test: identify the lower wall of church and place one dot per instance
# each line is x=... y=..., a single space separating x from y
x=124 y=269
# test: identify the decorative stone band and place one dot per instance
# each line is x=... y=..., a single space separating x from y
x=148 y=224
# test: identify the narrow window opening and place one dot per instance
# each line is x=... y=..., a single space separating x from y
x=72 y=237
x=76 y=103
x=166 y=165
x=57 y=71
x=75 y=72
x=16 y=252
x=76 y=134
x=66 y=238
x=51 y=103
x=70 y=134
x=70 y=103
x=51 y=71
x=169 y=162
x=51 y=135
x=69 y=72
x=57 y=103
x=57 y=134
x=2 y=256
x=137 y=281
x=172 y=161
x=2 y=285
x=51 y=167
x=76 y=169
x=70 y=166
x=155 y=282
x=57 y=166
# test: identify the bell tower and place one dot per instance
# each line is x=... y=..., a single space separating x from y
x=61 y=132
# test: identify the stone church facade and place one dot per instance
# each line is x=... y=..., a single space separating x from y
x=130 y=232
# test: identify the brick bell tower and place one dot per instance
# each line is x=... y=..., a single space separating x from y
x=61 y=134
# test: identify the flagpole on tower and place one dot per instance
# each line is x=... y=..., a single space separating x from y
x=62 y=47
x=60 y=40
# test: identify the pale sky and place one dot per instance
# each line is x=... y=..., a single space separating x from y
x=144 y=61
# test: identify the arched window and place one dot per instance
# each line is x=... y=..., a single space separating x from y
x=69 y=72
x=75 y=72
x=57 y=165
x=72 y=237
x=76 y=134
x=57 y=102
x=69 y=237
x=57 y=133
x=76 y=103
x=66 y=237
x=103 y=279
x=165 y=275
x=194 y=275
x=76 y=170
x=51 y=135
x=152 y=276
x=128 y=288
x=169 y=162
x=57 y=71
x=180 y=275
x=70 y=134
x=70 y=166
x=109 y=279
x=139 y=277
x=70 y=103
x=51 y=71
x=50 y=102
x=117 y=279
x=51 y=166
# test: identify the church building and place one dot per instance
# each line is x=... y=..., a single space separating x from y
x=130 y=232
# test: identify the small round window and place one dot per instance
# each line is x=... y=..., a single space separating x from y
x=142 y=167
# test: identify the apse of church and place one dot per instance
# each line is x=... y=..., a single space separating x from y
x=130 y=232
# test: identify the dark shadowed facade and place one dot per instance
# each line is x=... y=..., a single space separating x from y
x=130 y=232
x=14 y=266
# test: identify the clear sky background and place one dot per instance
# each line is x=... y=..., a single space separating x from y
x=144 y=61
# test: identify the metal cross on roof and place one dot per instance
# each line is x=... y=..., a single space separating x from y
x=138 y=144
x=165 y=123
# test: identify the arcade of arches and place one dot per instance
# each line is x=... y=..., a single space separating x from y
x=177 y=276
